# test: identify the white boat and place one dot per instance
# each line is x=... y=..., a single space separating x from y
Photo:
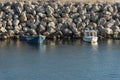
x=90 y=36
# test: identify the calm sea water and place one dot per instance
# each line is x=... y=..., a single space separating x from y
x=60 y=60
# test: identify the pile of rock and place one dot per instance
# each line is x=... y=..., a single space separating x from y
x=52 y=18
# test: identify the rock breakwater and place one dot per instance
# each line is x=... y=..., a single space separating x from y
x=56 y=19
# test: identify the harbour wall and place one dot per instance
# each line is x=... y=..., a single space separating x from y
x=58 y=19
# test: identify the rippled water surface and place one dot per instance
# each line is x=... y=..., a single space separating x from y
x=60 y=60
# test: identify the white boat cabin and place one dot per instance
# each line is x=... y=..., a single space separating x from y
x=90 y=36
x=90 y=33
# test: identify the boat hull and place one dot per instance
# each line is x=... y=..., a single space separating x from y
x=90 y=39
x=33 y=39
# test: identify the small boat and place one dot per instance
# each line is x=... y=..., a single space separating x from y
x=90 y=36
x=33 y=39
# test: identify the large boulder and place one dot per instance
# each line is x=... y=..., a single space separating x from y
x=51 y=24
x=109 y=23
x=41 y=15
x=49 y=10
x=32 y=32
x=74 y=15
x=40 y=9
x=16 y=22
x=106 y=31
x=3 y=30
x=41 y=28
x=23 y=17
x=18 y=7
x=101 y=21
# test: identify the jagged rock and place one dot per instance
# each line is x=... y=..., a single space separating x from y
x=9 y=23
x=43 y=23
x=87 y=21
x=11 y=33
x=49 y=19
x=94 y=17
x=9 y=27
x=92 y=25
x=50 y=31
x=18 y=7
x=82 y=11
x=72 y=26
x=34 y=26
x=16 y=31
x=95 y=8
x=53 y=5
x=40 y=28
x=23 y=17
x=83 y=17
x=116 y=29
x=51 y=24
x=15 y=16
x=4 y=23
x=59 y=26
x=67 y=10
x=67 y=31
x=40 y=9
x=69 y=20
x=73 y=9
x=28 y=7
x=32 y=32
x=42 y=15
x=3 y=30
x=107 y=13
x=26 y=29
x=30 y=22
x=75 y=16
x=3 y=37
x=49 y=10
x=23 y=24
x=110 y=23
x=107 y=31
x=18 y=27
x=2 y=14
x=0 y=24
x=110 y=8
x=101 y=21
x=16 y=22
x=77 y=20
x=117 y=22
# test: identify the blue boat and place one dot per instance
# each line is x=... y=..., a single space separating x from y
x=33 y=39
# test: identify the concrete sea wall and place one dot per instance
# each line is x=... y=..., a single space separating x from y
x=57 y=19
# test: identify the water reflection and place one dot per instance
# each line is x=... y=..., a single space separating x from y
x=54 y=43
x=94 y=46
x=8 y=43
x=40 y=47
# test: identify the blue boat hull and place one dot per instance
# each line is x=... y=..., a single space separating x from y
x=33 y=39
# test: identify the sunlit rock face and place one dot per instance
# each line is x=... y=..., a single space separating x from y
x=53 y=18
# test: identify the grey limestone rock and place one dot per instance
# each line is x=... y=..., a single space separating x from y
x=18 y=7
x=74 y=15
x=51 y=24
x=40 y=9
x=42 y=15
x=32 y=32
x=49 y=10
x=16 y=22
x=23 y=17
x=3 y=30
